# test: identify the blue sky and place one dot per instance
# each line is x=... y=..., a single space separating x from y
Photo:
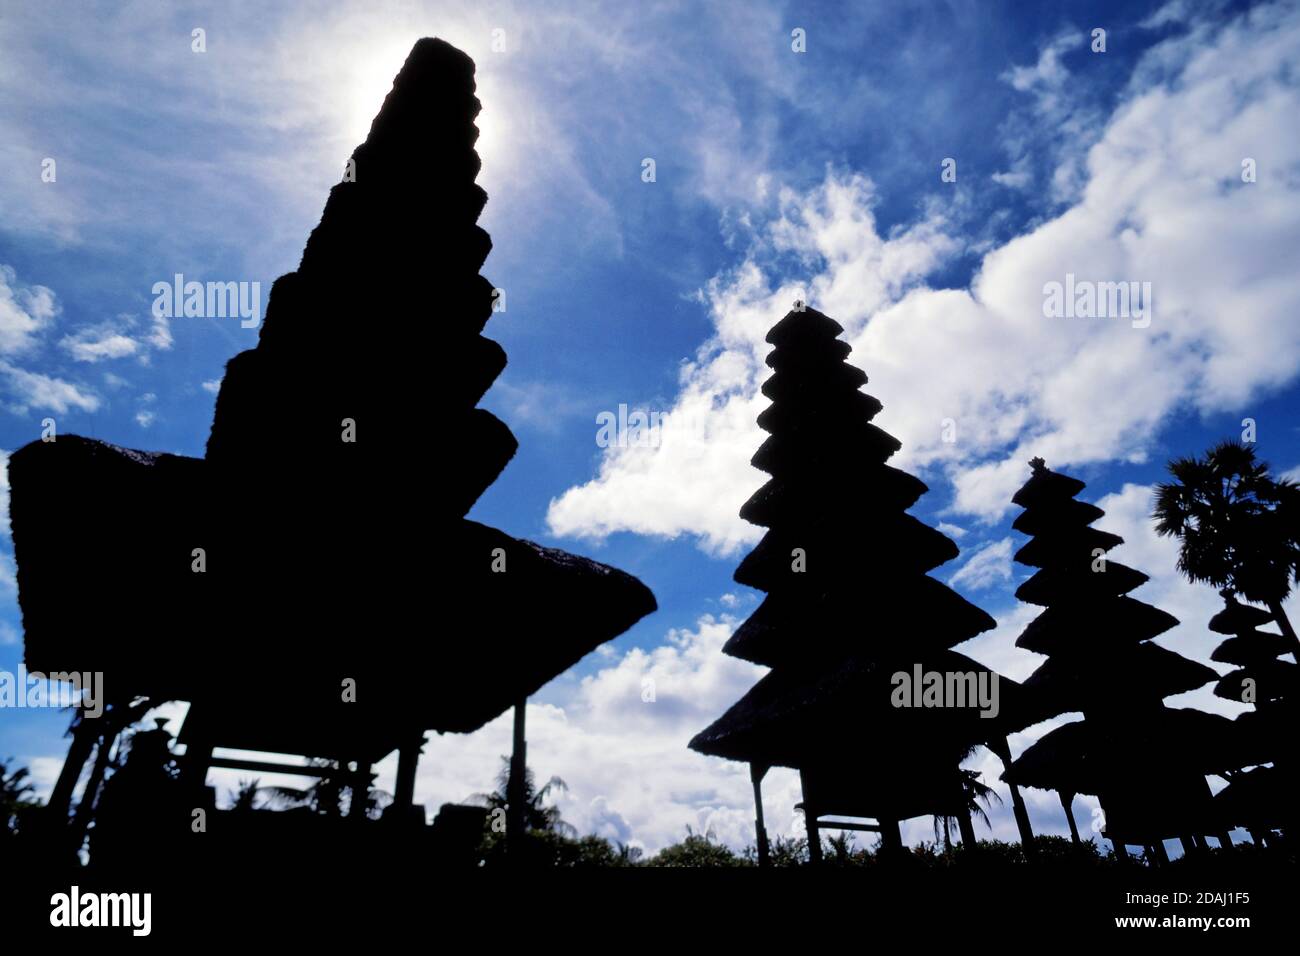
x=778 y=175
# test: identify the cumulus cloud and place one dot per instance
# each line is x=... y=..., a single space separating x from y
x=36 y=390
x=630 y=774
x=693 y=477
x=987 y=566
x=118 y=338
x=25 y=311
x=1162 y=202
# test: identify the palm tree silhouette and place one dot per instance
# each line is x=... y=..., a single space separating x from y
x=537 y=815
x=15 y=797
x=1240 y=527
x=976 y=792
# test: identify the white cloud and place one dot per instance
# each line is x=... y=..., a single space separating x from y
x=34 y=390
x=626 y=761
x=987 y=566
x=699 y=474
x=1162 y=203
x=117 y=338
x=212 y=386
x=25 y=311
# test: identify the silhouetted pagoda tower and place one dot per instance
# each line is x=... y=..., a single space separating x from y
x=1255 y=653
x=849 y=604
x=1145 y=762
x=330 y=508
x=1263 y=798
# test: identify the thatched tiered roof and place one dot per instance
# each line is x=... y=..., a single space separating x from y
x=1265 y=797
x=850 y=602
x=1144 y=760
x=1255 y=653
x=327 y=559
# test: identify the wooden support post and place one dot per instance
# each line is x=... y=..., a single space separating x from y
x=195 y=763
x=1225 y=840
x=516 y=786
x=198 y=752
x=810 y=824
x=1162 y=857
x=1121 y=850
x=756 y=774
x=408 y=758
x=1067 y=804
x=891 y=838
x=83 y=739
x=814 y=836
x=1002 y=747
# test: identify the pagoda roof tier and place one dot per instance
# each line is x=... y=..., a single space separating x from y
x=1066 y=514
x=801 y=328
x=793 y=501
x=1048 y=586
x=797 y=716
x=287 y=594
x=1253 y=647
x=1065 y=547
x=856 y=547
x=1096 y=623
x=1272 y=680
x=1046 y=488
x=836 y=381
x=1089 y=756
x=814 y=356
x=1238 y=618
x=790 y=628
x=796 y=413
x=811 y=449
x=1137 y=676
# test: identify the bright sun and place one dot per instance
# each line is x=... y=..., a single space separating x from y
x=372 y=78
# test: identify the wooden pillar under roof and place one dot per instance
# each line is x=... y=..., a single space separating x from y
x=1002 y=747
x=408 y=759
x=891 y=837
x=756 y=774
x=516 y=789
x=198 y=754
x=1067 y=804
x=83 y=739
x=810 y=824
